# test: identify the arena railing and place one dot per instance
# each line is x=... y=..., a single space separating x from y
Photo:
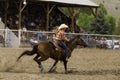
x=25 y=38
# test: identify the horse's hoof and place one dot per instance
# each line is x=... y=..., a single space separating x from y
x=52 y=69
x=49 y=71
x=66 y=72
x=41 y=70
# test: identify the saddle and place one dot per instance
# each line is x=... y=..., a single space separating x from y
x=56 y=46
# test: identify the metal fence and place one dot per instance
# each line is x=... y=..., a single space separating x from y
x=21 y=38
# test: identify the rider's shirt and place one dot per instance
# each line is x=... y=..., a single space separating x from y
x=61 y=35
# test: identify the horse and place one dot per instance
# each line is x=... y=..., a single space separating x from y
x=46 y=49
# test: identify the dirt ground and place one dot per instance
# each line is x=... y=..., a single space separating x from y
x=84 y=64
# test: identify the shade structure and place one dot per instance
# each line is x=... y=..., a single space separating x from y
x=84 y=3
x=50 y=4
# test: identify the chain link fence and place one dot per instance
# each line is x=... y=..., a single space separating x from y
x=21 y=38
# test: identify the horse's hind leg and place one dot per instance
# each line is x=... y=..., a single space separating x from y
x=51 y=69
x=36 y=58
x=39 y=59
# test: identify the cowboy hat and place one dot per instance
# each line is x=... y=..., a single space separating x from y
x=62 y=26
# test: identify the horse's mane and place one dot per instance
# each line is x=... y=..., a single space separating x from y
x=71 y=40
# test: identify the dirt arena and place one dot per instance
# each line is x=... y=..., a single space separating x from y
x=85 y=64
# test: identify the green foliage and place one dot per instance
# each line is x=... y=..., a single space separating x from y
x=99 y=25
x=86 y=11
x=84 y=20
x=104 y=24
x=102 y=9
x=117 y=29
x=70 y=11
x=65 y=10
x=112 y=21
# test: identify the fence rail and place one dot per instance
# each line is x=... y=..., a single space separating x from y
x=22 y=38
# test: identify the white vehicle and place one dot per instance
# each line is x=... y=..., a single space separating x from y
x=109 y=43
x=116 y=44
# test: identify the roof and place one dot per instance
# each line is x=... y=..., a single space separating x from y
x=85 y=3
x=79 y=3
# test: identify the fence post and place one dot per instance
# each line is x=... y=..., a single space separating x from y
x=5 y=37
x=19 y=36
x=87 y=41
x=96 y=38
x=112 y=42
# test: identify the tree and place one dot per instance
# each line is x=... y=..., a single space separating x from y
x=100 y=25
x=104 y=24
x=84 y=18
x=102 y=9
x=112 y=21
x=72 y=13
x=117 y=29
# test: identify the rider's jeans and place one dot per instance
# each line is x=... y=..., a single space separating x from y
x=62 y=44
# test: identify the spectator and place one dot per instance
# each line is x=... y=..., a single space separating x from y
x=33 y=41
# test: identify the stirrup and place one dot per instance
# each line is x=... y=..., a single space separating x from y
x=56 y=48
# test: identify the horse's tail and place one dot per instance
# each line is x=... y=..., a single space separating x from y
x=29 y=53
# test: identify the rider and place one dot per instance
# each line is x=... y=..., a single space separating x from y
x=61 y=38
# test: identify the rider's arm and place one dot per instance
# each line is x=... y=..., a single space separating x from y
x=63 y=36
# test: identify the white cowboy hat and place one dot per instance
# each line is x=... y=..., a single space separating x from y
x=62 y=26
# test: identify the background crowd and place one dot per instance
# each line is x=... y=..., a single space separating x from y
x=34 y=18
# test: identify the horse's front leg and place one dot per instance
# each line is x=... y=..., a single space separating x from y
x=53 y=66
x=65 y=66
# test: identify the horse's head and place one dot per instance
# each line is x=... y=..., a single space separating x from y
x=77 y=40
x=80 y=41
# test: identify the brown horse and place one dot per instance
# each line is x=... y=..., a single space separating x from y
x=46 y=49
